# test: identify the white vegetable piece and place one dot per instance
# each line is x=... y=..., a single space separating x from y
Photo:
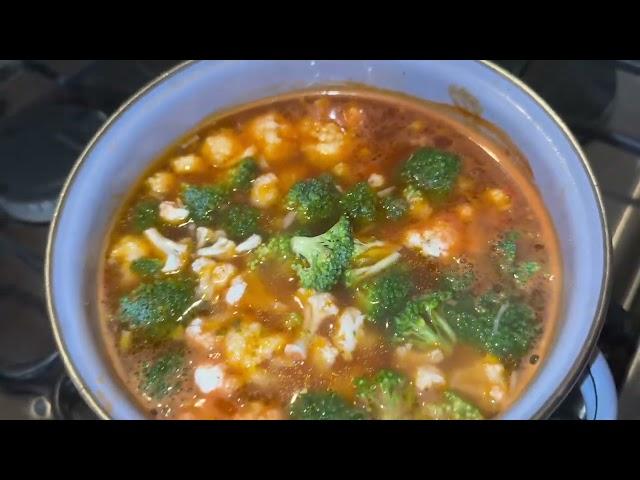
x=205 y=235
x=296 y=350
x=172 y=213
x=222 y=248
x=175 y=252
x=320 y=307
x=264 y=191
x=249 y=244
x=236 y=290
x=430 y=243
x=209 y=377
x=349 y=326
x=376 y=180
x=429 y=376
x=199 y=263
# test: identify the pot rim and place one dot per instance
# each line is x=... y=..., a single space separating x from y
x=561 y=389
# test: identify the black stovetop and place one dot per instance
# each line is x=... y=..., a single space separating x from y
x=50 y=109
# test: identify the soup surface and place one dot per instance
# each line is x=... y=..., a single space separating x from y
x=341 y=254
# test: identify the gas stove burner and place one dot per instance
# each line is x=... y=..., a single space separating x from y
x=27 y=348
x=581 y=91
x=37 y=150
x=67 y=403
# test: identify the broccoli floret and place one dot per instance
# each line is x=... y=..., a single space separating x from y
x=457 y=280
x=420 y=324
x=324 y=406
x=146 y=267
x=239 y=177
x=506 y=251
x=386 y=396
x=241 y=221
x=431 y=170
x=155 y=308
x=144 y=214
x=204 y=202
x=327 y=256
x=277 y=250
x=315 y=200
x=452 y=407
x=163 y=375
x=494 y=323
x=394 y=208
x=383 y=297
x=360 y=203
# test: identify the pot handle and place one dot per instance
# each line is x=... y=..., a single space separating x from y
x=599 y=391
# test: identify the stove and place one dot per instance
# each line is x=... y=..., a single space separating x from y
x=49 y=109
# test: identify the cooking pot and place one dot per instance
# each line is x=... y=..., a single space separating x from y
x=178 y=100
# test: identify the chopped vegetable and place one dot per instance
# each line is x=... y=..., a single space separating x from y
x=276 y=251
x=240 y=176
x=505 y=251
x=394 y=208
x=383 y=297
x=162 y=376
x=388 y=395
x=327 y=256
x=145 y=214
x=360 y=203
x=323 y=406
x=431 y=170
x=204 y=202
x=155 y=308
x=146 y=267
x=241 y=221
x=452 y=407
x=315 y=201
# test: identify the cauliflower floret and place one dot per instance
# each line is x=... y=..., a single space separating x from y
x=188 y=164
x=170 y=212
x=210 y=377
x=222 y=149
x=296 y=351
x=274 y=135
x=214 y=278
x=206 y=236
x=349 y=327
x=249 y=244
x=325 y=143
x=265 y=191
x=429 y=376
x=322 y=354
x=498 y=198
x=222 y=248
x=318 y=307
x=161 y=183
x=176 y=253
x=437 y=241
x=465 y=212
x=126 y=250
x=376 y=180
x=236 y=290
x=249 y=345
x=197 y=337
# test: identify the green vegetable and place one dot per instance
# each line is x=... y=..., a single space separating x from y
x=145 y=215
x=204 y=202
x=432 y=171
x=494 y=323
x=457 y=280
x=156 y=308
x=386 y=396
x=241 y=221
x=162 y=376
x=394 y=208
x=146 y=267
x=240 y=176
x=327 y=256
x=360 y=203
x=323 y=406
x=420 y=324
x=276 y=251
x=383 y=297
x=505 y=251
x=315 y=201
x=452 y=407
